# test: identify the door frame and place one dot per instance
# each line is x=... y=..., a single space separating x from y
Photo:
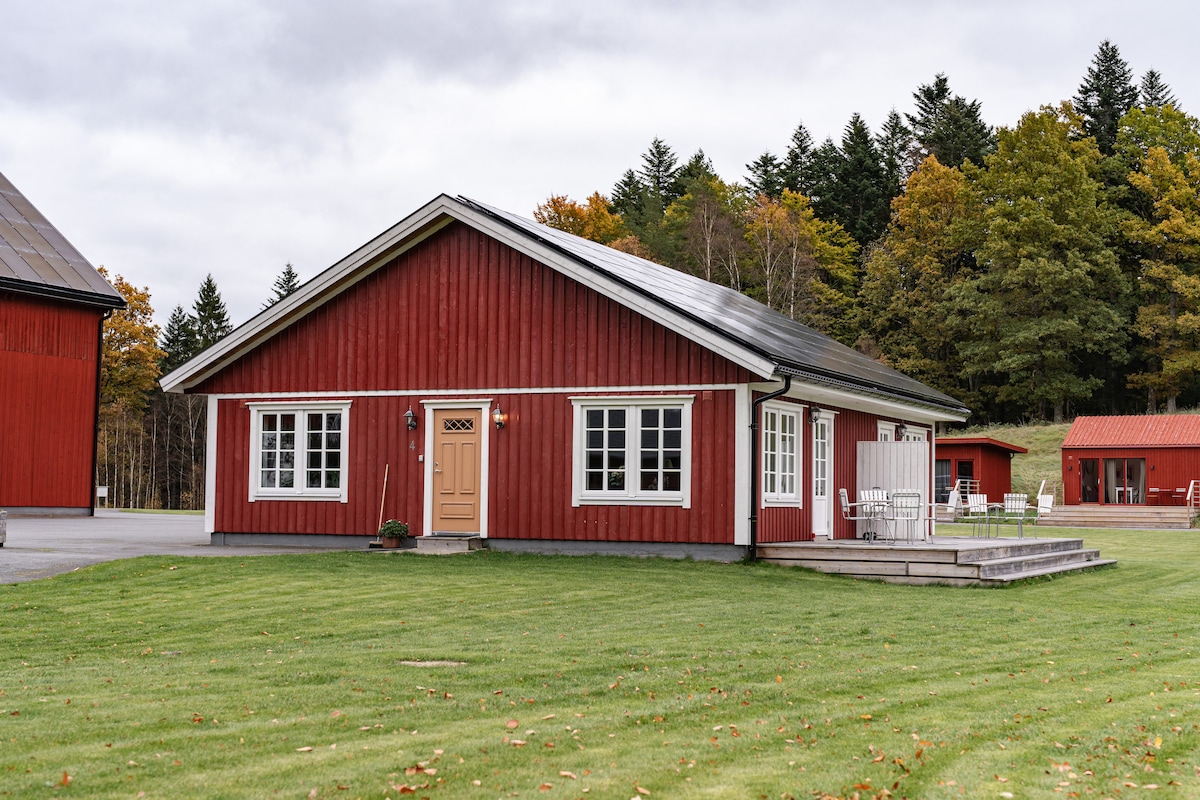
x=484 y=407
x=825 y=505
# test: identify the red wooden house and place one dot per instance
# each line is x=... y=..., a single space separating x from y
x=546 y=392
x=979 y=458
x=1138 y=460
x=52 y=306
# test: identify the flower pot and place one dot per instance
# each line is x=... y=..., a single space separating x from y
x=390 y=542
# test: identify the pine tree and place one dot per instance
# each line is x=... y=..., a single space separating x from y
x=1106 y=94
x=212 y=319
x=287 y=282
x=1155 y=92
x=895 y=143
x=823 y=170
x=179 y=342
x=629 y=197
x=765 y=175
x=860 y=199
x=949 y=127
x=697 y=168
x=797 y=162
x=659 y=174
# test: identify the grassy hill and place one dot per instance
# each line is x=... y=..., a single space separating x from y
x=1044 y=459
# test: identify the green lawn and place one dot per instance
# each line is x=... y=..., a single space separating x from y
x=285 y=676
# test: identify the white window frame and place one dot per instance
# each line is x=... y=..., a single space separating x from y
x=301 y=410
x=776 y=467
x=631 y=495
x=912 y=434
x=887 y=431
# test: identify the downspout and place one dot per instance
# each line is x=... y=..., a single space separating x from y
x=96 y=414
x=754 y=449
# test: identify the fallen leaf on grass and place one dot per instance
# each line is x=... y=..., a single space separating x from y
x=564 y=774
x=512 y=723
x=640 y=790
x=303 y=749
x=517 y=742
x=545 y=787
x=66 y=780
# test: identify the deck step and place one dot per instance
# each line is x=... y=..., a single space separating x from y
x=1111 y=516
x=946 y=560
x=446 y=544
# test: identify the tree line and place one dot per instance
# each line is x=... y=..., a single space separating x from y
x=150 y=444
x=1034 y=271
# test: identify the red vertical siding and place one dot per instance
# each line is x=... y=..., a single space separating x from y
x=1167 y=468
x=47 y=404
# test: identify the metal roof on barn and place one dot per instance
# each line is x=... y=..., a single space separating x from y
x=985 y=441
x=795 y=348
x=36 y=259
x=1167 y=430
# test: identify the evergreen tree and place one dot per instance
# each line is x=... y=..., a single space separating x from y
x=287 y=282
x=212 y=319
x=179 y=341
x=860 y=201
x=629 y=197
x=1155 y=92
x=697 y=168
x=823 y=169
x=1106 y=94
x=949 y=127
x=895 y=143
x=1039 y=321
x=660 y=174
x=765 y=175
x=797 y=162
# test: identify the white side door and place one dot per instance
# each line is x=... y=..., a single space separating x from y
x=822 y=472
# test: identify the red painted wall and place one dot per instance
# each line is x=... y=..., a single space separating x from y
x=47 y=402
x=462 y=312
x=993 y=466
x=1173 y=468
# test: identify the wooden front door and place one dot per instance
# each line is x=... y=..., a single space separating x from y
x=457 y=468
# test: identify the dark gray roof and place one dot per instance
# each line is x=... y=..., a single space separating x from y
x=795 y=348
x=36 y=259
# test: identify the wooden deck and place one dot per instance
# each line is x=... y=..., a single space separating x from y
x=951 y=560
x=1093 y=515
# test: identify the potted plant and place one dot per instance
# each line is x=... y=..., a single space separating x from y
x=393 y=532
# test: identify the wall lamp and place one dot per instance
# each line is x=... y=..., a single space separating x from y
x=901 y=430
x=814 y=415
x=410 y=419
x=499 y=417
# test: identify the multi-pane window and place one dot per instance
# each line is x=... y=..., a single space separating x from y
x=633 y=450
x=779 y=459
x=299 y=452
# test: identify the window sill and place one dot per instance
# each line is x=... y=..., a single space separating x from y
x=620 y=500
x=324 y=498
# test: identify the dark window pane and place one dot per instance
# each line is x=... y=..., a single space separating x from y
x=270 y=441
x=595 y=481
x=268 y=480
x=672 y=439
x=616 y=460
x=287 y=460
x=314 y=479
x=595 y=418
x=333 y=460
x=595 y=460
x=269 y=421
x=673 y=418
x=650 y=460
x=649 y=417
x=333 y=479
x=672 y=482
x=333 y=422
x=616 y=439
x=649 y=481
x=595 y=439
x=650 y=439
x=671 y=460
x=286 y=479
x=314 y=441
x=616 y=481
x=287 y=422
x=268 y=460
x=333 y=441
x=314 y=460
x=616 y=418
x=287 y=441
x=314 y=422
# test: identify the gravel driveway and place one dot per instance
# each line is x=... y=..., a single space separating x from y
x=39 y=547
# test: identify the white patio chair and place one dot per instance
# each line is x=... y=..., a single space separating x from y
x=1015 y=507
x=978 y=514
x=858 y=512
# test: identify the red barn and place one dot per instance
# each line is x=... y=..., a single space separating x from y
x=1133 y=460
x=503 y=378
x=52 y=307
x=979 y=458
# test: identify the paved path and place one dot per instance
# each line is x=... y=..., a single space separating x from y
x=39 y=547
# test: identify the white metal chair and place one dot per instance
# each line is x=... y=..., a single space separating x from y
x=1015 y=508
x=906 y=510
x=875 y=504
x=858 y=512
x=979 y=515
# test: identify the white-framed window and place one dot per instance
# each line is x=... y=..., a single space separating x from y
x=780 y=453
x=298 y=451
x=632 y=451
x=912 y=434
x=887 y=431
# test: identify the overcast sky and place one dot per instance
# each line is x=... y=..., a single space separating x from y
x=168 y=140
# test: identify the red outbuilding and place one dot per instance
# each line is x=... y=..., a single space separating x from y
x=1133 y=460
x=472 y=371
x=974 y=458
x=52 y=307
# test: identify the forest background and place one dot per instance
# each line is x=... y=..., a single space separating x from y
x=1035 y=272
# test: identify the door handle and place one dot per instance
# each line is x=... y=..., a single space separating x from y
x=435 y=467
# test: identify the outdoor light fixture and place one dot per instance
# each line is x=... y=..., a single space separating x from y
x=410 y=419
x=814 y=415
x=499 y=417
x=901 y=429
